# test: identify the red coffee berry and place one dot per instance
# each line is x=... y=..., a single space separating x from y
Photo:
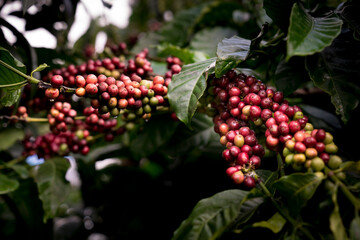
x=266 y=114
x=255 y=161
x=250 y=140
x=299 y=136
x=247 y=149
x=56 y=81
x=80 y=81
x=255 y=111
x=294 y=126
x=278 y=97
x=320 y=135
x=284 y=128
x=300 y=147
x=91 y=89
x=310 y=142
x=103 y=87
x=249 y=182
x=234 y=151
x=242 y=158
x=234 y=101
x=91 y=78
x=272 y=141
x=230 y=135
x=274 y=130
x=254 y=99
x=320 y=147
x=258 y=150
x=234 y=91
x=52 y=93
x=231 y=170
x=244 y=131
x=250 y=80
x=227 y=155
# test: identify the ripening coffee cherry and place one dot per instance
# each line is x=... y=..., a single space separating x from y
x=56 y=81
x=300 y=147
x=237 y=177
x=311 y=153
x=223 y=129
x=80 y=91
x=239 y=140
x=249 y=182
x=299 y=158
x=272 y=141
x=52 y=93
x=91 y=78
x=80 y=81
x=246 y=110
x=299 y=136
x=223 y=140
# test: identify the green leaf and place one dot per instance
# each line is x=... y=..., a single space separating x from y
x=155 y=134
x=7 y=185
x=275 y=223
x=223 y=66
x=290 y=75
x=355 y=229
x=212 y=216
x=187 y=56
x=27 y=4
x=159 y=68
x=207 y=39
x=349 y=13
x=21 y=170
x=336 y=224
x=9 y=78
x=178 y=30
x=267 y=177
x=279 y=11
x=39 y=68
x=230 y=53
x=9 y=136
x=336 y=71
x=234 y=48
x=52 y=186
x=187 y=87
x=10 y=96
x=185 y=140
x=308 y=35
x=298 y=188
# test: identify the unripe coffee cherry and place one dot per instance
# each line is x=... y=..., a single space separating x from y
x=317 y=164
x=334 y=162
x=331 y=148
x=299 y=158
x=311 y=153
x=328 y=138
x=56 y=81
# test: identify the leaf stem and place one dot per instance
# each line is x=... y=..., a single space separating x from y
x=355 y=201
x=13 y=162
x=280 y=165
x=292 y=221
x=28 y=78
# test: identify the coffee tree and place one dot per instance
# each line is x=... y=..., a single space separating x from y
x=232 y=120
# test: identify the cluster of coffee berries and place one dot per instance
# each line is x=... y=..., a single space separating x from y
x=311 y=148
x=130 y=95
x=96 y=123
x=61 y=117
x=240 y=100
x=174 y=66
x=22 y=112
x=51 y=144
